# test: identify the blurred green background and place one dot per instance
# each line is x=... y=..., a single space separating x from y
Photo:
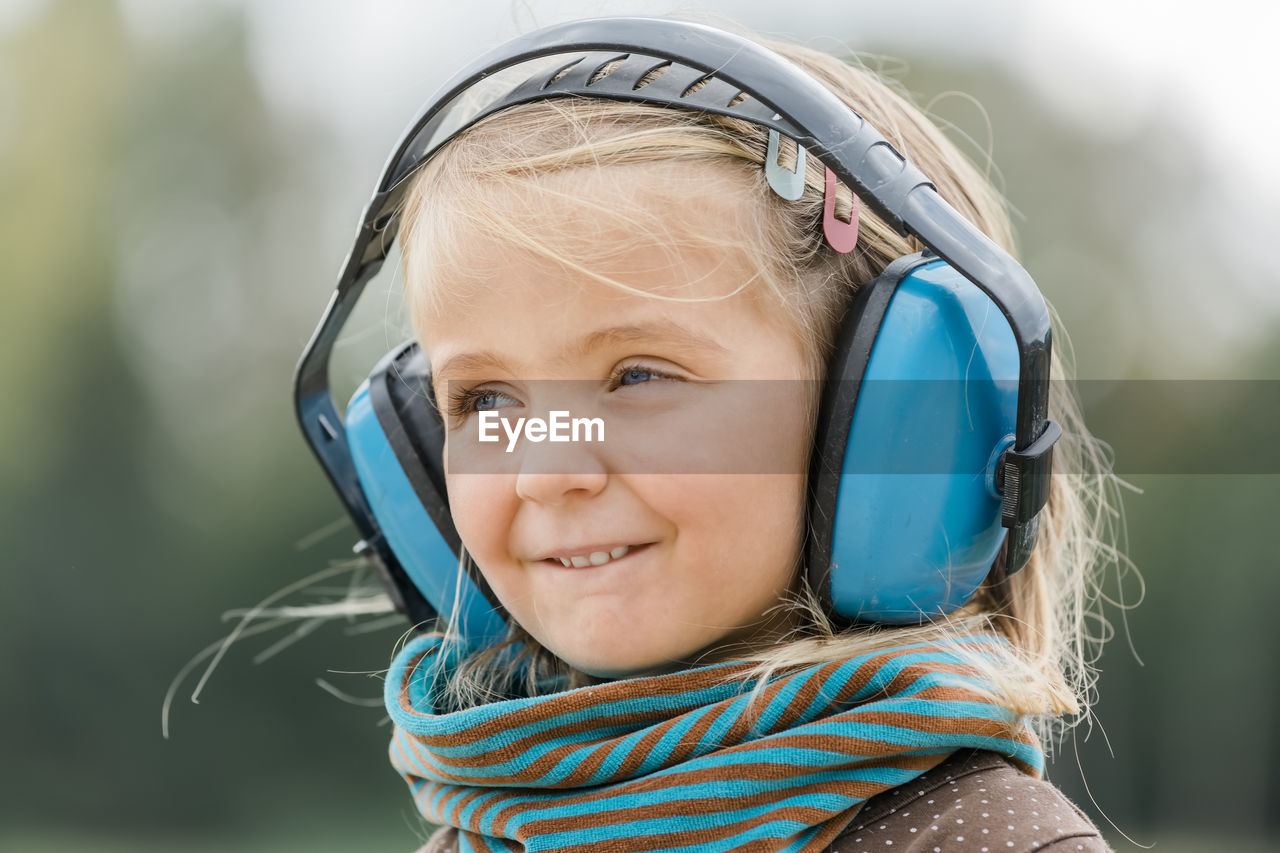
x=178 y=181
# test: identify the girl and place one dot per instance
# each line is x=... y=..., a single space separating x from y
x=668 y=671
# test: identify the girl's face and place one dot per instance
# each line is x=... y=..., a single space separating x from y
x=688 y=515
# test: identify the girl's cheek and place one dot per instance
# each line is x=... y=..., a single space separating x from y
x=476 y=512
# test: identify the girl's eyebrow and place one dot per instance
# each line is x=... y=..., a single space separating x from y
x=668 y=332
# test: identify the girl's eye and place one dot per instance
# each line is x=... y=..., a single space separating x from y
x=465 y=402
x=470 y=400
x=638 y=375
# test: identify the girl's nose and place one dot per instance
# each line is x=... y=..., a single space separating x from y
x=553 y=473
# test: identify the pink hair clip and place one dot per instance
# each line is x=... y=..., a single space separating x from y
x=842 y=236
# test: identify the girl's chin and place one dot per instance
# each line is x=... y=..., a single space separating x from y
x=601 y=660
x=625 y=664
x=615 y=673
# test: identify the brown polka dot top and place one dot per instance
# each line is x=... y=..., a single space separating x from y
x=974 y=802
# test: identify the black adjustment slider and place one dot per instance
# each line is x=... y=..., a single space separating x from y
x=1025 y=476
x=372 y=552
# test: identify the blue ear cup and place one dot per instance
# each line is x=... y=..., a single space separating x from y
x=397 y=445
x=920 y=403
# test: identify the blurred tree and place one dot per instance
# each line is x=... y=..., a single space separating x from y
x=160 y=233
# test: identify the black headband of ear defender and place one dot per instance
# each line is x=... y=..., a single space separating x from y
x=780 y=97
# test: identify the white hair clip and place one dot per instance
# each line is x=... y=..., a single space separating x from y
x=788 y=183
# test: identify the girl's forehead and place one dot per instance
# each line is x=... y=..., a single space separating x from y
x=526 y=264
x=647 y=292
x=613 y=218
x=609 y=236
x=616 y=273
x=533 y=318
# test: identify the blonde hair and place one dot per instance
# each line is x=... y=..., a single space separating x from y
x=516 y=153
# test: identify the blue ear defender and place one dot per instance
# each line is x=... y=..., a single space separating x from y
x=920 y=402
x=933 y=447
x=397 y=446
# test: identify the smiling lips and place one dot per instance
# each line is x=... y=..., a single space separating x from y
x=596 y=558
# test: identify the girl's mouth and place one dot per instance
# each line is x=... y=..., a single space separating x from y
x=596 y=558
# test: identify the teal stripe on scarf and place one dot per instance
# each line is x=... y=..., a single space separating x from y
x=692 y=760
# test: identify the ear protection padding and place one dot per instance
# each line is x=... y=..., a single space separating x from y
x=920 y=403
x=397 y=445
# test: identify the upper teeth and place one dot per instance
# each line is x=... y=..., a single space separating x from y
x=596 y=558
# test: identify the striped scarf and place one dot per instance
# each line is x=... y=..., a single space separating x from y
x=691 y=760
